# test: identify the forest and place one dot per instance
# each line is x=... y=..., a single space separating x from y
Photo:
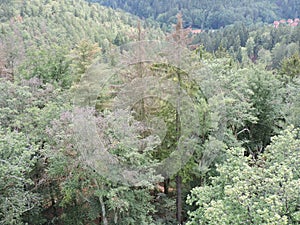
x=149 y=112
x=206 y=14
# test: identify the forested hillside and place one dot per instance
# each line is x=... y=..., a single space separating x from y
x=258 y=43
x=206 y=14
x=50 y=29
x=107 y=119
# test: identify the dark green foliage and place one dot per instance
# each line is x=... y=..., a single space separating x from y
x=49 y=64
x=267 y=105
x=290 y=67
x=243 y=82
x=16 y=162
x=26 y=110
x=208 y=14
x=252 y=191
x=259 y=42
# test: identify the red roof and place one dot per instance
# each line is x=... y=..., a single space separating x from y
x=197 y=31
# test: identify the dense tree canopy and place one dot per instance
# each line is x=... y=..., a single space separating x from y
x=241 y=81
x=253 y=191
x=209 y=14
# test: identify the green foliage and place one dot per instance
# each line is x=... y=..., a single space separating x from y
x=82 y=187
x=44 y=32
x=290 y=67
x=167 y=111
x=17 y=161
x=244 y=84
x=291 y=95
x=130 y=206
x=206 y=14
x=83 y=55
x=262 y=191
x=48 y=63
x=258 y=41
x=65 y=22
x=267 y=105
x=26 y=110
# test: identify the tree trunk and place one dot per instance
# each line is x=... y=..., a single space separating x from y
x=103 y=210
x=178 y=199
x=104 y=219
x=53 y=204
x=166 y=186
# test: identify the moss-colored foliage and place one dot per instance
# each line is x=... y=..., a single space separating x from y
x=66 y=22
x=261 y=191
x=38 y=36
x=47 y=63
x=26 y=110
x=83 y=55
x=290 y=67
x=83 y=189
x=267 y=105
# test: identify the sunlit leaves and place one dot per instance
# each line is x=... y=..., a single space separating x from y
x=261 y=191
x=17 y=160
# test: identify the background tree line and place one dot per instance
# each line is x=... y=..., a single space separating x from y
x=259 y=43
x=207 y=14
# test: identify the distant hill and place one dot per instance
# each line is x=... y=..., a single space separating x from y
x=66 y=22
x=37 y=36
x=208 y=14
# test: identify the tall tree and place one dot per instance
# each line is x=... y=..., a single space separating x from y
x=83 y=55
